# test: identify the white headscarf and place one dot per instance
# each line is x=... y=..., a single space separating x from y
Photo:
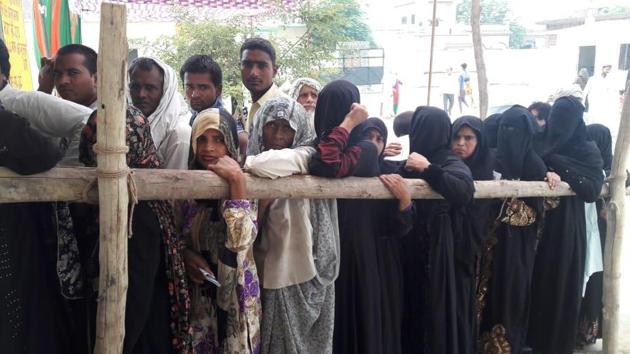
x=172 y=108
x=301 y=82
x=573 y=90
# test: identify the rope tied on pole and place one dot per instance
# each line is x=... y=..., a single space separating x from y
x=124 y=172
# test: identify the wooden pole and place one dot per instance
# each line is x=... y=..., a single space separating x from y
x=615 y=232
x=482 y=80
x=112 y=180
x=431 y=52
x=70 y=184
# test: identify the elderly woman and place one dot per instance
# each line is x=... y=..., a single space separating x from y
x=305 y=91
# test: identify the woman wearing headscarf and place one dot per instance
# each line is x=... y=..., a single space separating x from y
x=471 y=222
x=219 y=239
x=343 y=151
x=508 y=259
x=430 y=319
x=491 y=129
x=559 y=265
x=158 y=301
x=590 y=325
x=297 y=289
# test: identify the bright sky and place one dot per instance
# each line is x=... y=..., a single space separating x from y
x=527 y=11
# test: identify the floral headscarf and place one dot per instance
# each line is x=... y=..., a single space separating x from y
x=143 y=154
x=218 y=119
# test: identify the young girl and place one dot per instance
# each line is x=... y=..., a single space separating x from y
x=298 y=302
x=219 y=235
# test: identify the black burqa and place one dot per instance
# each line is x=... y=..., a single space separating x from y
x=390 y=225
x=590 y=323
x=430 y=321
x=508 y=259
x=358 y=314
x=34 y=316
x=559 y=266
x=471 y=229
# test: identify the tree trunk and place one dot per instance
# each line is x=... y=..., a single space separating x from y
x=615 y=232
x=112 y=180
x=482 y=80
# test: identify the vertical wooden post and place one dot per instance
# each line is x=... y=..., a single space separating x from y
x=112 y=180
x=615 y=232
x=482 y=79
x=431 y=53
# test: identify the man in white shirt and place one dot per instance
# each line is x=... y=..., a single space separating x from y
x=153 y=90
x=52 y=116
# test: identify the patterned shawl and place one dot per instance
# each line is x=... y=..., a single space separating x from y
x=143 y=154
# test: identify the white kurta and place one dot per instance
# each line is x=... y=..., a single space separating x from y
x=52 y=116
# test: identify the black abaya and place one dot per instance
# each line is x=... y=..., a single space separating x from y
x=430 y=321
x=559 y=266
x=508 y=260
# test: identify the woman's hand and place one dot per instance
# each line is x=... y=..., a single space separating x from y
x=553 y=179
x=416 y=162
x=230 y=170
x=392 y=149
x=399 y=188
x=193 y=262
x=358 y=114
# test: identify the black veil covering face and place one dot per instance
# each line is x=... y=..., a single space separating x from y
x=508 y=260
x=558 y=272
x=436 y=304
x=516 y=158
x=491 y=129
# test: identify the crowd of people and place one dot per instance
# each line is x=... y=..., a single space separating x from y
x=456 y=275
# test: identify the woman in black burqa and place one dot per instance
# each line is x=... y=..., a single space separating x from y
x=470 y=224
x=430 y=313
x=559 y=265
x=342 y=151
x=509 y=253
x=590 y=324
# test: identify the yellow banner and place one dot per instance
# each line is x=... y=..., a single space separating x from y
x=14 y=36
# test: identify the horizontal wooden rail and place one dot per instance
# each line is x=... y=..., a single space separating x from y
x=78 y=184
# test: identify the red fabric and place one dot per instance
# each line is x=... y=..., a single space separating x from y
x=334 y=152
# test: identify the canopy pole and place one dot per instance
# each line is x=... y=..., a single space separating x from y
x=615 y=232
x=431 y=53
x=112 y=172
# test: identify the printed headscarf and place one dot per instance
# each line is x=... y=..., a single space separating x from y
x=143 y=154
x=333 y=104
x=281 y=108
x=218 y=119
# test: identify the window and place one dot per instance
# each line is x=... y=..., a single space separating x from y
x=404 y=20
x=624 y=57
x=413 y=19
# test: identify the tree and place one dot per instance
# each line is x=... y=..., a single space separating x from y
x=493 y=12
x=327 y=25
x=517 y=35
x=479 y=60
